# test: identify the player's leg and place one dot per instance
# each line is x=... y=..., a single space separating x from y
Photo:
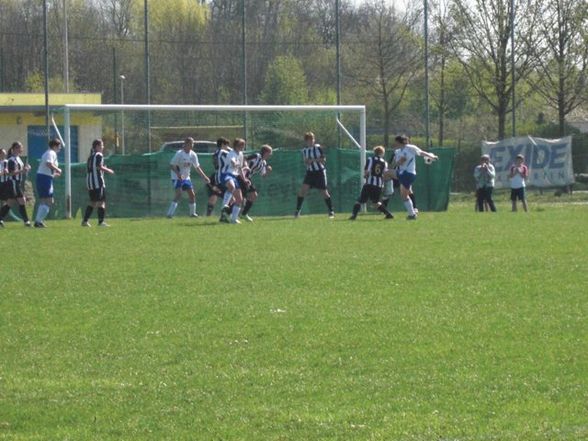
x=192 y=198
x=513 y=198
x=171 y=211
x=249 y=201
x=89 y=208
x=45 y=192
x=301 y=195
x=237 y=195
x=524 y=199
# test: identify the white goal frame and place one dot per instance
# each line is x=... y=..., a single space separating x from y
x=68 y=108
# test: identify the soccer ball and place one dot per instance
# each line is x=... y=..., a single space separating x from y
x=428 y=161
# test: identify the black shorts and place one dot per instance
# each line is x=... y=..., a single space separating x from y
x=370 y=193
x=98 y=195
x=210 y=188
x=517 y=193
x=3 y=190
x=12 y=190
x=316 y=179
x=244 y=186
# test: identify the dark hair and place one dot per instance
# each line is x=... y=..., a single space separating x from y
x=189 y=139
x=222 y=141
x=13 y=146
x=96 y=143
x=54 y=143
x=402 y=139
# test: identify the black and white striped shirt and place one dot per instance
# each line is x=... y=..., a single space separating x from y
x=15 y=164
x=375 y=168
x=3 y=168
x=215 y=158
x=95 y=176
x=314 y=153
x=256 y=164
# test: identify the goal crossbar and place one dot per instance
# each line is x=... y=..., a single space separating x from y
x=68 y=108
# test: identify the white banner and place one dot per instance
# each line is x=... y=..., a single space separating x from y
x=549 y=160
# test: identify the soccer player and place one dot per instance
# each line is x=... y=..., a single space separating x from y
x=232 y=169
x=48 y=169
x=213 y=191
x=405 y=159
x=95 y=169
x=316 y=174
x=375 y=168
x=257 y=164
x=180 y=166
x=3 y=176
x=518 y=174
x=13 y=191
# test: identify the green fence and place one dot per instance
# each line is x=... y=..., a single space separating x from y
x=141 y=185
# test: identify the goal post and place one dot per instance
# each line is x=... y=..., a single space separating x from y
x=210 y=122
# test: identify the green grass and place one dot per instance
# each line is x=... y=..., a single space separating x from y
x=460 y=326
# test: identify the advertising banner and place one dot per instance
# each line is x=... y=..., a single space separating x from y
x=549 y=160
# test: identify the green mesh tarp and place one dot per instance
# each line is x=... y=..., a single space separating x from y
x=141 y=185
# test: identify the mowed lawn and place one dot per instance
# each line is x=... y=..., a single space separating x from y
x=459 y=326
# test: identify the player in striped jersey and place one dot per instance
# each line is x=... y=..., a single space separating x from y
x=14 y=187
x=213 y=191
x=257 y=164
x=406 y=161
x=316 y=174
x=180 y=166
x=3 y=175
x=95 y=169
x=374 y=173
x=48 y=169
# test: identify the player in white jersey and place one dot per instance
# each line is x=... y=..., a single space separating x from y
x=232 y=169
x=405 y=160
x=180 y=167
x=48 y=169
x=3 y=175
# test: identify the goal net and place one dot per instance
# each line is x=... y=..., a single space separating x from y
x=140 y=141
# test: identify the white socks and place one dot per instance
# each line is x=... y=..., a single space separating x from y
x=42 y=212
x=409 y=207
x=227 y=198
x=235 y=212
x=172 y=209
x=193 y=209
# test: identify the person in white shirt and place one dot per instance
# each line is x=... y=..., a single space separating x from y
x=48 y=169
x=484 y=174
x=518 y=175
x=405 y=160
x=232 y=172
x=180 y=167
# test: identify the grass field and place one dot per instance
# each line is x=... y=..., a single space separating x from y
x=460 y=326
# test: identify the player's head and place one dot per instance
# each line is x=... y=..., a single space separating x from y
x=15 y=148
x=520 y=159
x=239 y=144
x=2 y=153
x=188 y=144
x=401 y=140
x=485 y=159
x=379 y=150
x=222 y=142
x=97 y=145
x=266 y=151
x=55 y=144
x=309 y=138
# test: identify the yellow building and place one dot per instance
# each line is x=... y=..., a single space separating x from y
x=22 y=118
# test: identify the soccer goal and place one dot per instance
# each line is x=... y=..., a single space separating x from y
x=140 y=140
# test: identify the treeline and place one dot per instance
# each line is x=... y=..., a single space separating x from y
x=196 y=57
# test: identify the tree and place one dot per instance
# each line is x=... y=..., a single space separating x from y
x=483 y=46
x=285 y=82
x=563 y=56
x=386 y=58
